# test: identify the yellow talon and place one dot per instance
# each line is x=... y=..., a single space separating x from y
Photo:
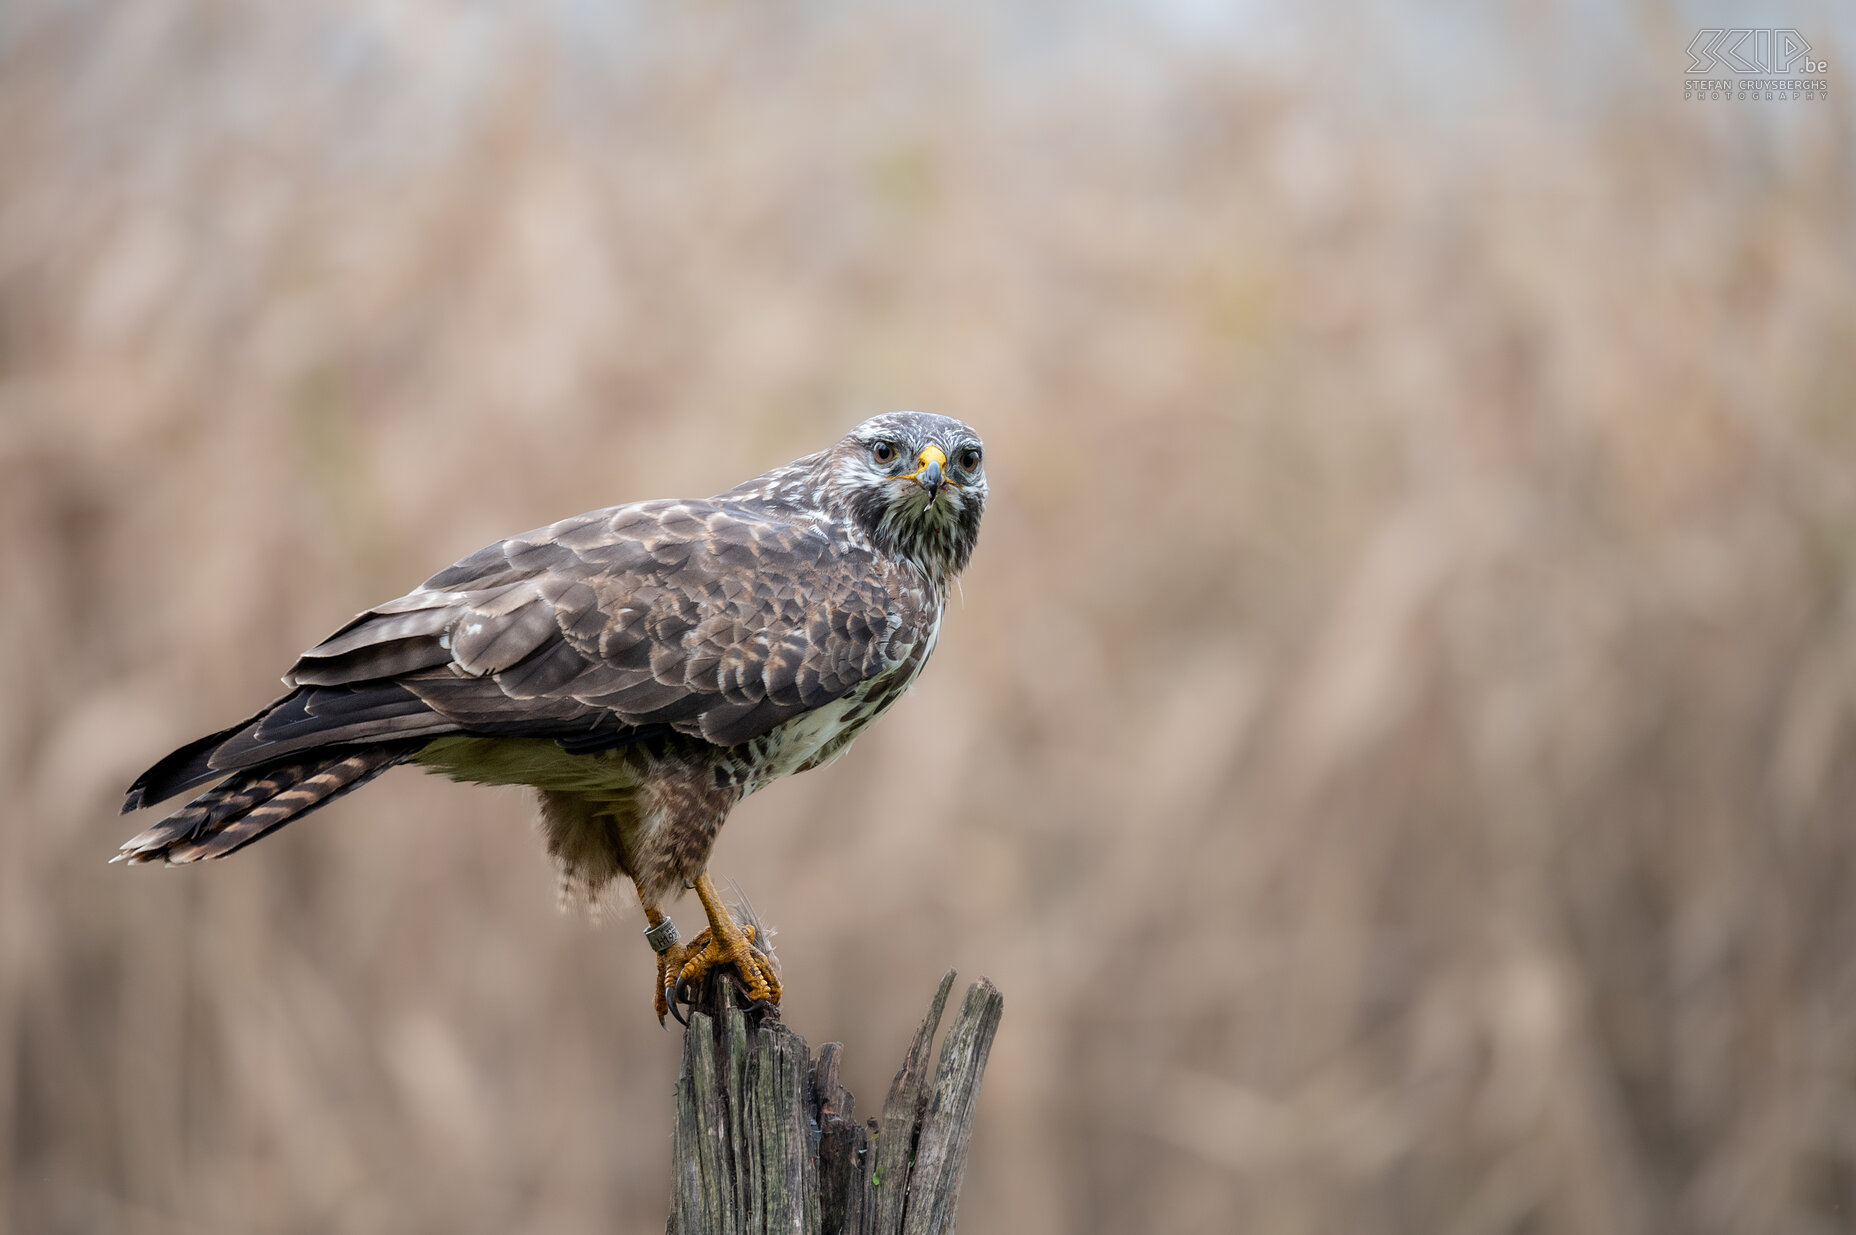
x=726 y=944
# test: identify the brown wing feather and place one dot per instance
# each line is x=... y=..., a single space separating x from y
x=710 y=618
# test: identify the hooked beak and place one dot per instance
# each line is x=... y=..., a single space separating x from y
x=929 y=476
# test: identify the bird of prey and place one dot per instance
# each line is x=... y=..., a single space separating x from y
x=643 y=667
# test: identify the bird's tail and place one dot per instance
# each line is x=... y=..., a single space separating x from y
x=252 y=804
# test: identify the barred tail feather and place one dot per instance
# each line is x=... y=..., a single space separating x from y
x=251 y=805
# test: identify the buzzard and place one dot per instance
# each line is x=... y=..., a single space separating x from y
x=643 y=667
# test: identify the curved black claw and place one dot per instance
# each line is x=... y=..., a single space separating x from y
x=681 y=994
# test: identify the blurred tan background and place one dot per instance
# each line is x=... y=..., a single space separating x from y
x=1396 y=749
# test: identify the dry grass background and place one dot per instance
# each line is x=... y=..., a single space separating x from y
x=1396 y=750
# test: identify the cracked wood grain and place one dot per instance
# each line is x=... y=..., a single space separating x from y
x=766 y=1137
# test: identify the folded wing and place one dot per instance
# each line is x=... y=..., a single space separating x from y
x=714 y=619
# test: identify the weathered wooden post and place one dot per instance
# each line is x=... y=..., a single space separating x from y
x=766 y=1139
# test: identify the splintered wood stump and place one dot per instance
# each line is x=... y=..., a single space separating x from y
x=767 y=1140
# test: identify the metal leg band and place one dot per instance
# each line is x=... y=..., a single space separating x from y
x=661 y=937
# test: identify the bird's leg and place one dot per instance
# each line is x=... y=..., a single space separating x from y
x=725 y=943
x=661 y=933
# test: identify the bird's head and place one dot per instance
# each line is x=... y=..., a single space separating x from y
x=915 y=483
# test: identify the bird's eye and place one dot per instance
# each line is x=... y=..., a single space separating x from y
x=883 y=452
x=970 y=458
